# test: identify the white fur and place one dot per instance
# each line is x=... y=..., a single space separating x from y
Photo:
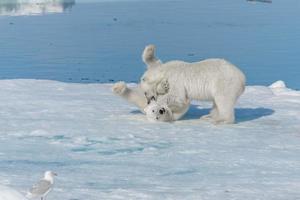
x=133 y=95
x=157 y=112
x=174 y=84
x=149 y=58
x=137 y=97
x=215 y=80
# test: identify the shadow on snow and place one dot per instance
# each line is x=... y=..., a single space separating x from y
x=241 y=114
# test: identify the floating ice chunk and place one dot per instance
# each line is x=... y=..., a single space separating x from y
x=39 y=133
x=278 y=84
x=279 y=89
x=34 y=7
x=7 y=193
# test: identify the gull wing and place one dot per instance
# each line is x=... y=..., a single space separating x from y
x=40 y=187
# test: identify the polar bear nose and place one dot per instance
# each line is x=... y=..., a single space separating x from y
x=162 y=111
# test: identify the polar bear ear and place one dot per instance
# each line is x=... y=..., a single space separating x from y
x=163 y=87
x=149 y=58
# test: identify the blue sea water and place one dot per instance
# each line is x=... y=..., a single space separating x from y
x=103 y=41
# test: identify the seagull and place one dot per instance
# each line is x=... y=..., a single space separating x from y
x=43 y=187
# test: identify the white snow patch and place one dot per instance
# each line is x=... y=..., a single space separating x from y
x=279 y=88
x=39 y=133
x=116 y=153
x=10 y=194
x=278 y=84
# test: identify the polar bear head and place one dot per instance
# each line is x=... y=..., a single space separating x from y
x=153 y=84
x=156 y=112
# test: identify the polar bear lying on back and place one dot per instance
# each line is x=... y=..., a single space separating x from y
x=179 y=82
x=157 y=110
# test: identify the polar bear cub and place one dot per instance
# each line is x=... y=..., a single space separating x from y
x=215 y=80
x=155 y=110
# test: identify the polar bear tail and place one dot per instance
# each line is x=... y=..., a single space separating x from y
x=148 y=56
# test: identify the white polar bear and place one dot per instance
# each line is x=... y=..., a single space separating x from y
x=215 y=80
x=175 y=83
x=155 y=110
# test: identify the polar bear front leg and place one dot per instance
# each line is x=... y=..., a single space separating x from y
x=119 y=88
x=212 y=114
x=133 y=95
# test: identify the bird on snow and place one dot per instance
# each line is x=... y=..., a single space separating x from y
x=43 y=187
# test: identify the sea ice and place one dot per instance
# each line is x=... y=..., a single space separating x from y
x=104 y=148
x=7 y=193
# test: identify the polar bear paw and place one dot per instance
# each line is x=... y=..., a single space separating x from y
x=148 y=53
x=223 y=122
x=119 y=88
x=206 y=117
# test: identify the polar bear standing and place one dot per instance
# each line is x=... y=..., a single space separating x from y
x=174 y=84
x=214 y=80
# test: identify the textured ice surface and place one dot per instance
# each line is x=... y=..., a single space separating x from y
x=7 y=193
x=103 y=148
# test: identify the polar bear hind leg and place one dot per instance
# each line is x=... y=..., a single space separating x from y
x=148 y=56
x=224 y=112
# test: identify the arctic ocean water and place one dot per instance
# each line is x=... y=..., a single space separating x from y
x=101 y=146
x=102 y=42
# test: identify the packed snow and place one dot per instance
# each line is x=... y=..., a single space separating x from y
x=104 y=148
x=7 y=193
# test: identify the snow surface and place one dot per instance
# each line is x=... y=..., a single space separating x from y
x=104 y=148
x=7 y=193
